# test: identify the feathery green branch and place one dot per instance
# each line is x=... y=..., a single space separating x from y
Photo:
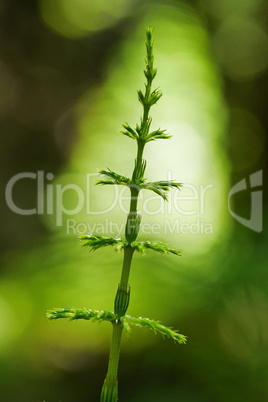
x=113 y=178
x=158 y=135
x=96 y=242
x=81 y=314
x=156 y=326
x=161 y=187
x=142 y=246
x=99 y=316
x=129 y=132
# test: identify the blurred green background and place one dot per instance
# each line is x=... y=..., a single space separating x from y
x=68 y=75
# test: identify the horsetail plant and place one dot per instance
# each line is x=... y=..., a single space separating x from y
x=119 y=320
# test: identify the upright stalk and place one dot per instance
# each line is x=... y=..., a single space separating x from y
x=142 y=135
x=110 y=387
x=109 y=391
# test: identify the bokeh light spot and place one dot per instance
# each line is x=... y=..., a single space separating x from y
x=78 y=18
x=242 y=48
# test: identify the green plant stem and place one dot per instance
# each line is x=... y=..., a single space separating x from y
x=118 y=318
x=109 y=390
x=115 y=350
x=141 y=145
x=110 y=386
x=128 y=253
x=134 y=191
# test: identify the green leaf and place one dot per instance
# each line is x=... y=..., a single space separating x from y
x=142 y=246
x=161 y=187
x=113 y=178
x=129 y=132
x=141 y=97
x=156 y=326
x=81 y=314
x=96 y=242
x=155 y=96
x=157 y=135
